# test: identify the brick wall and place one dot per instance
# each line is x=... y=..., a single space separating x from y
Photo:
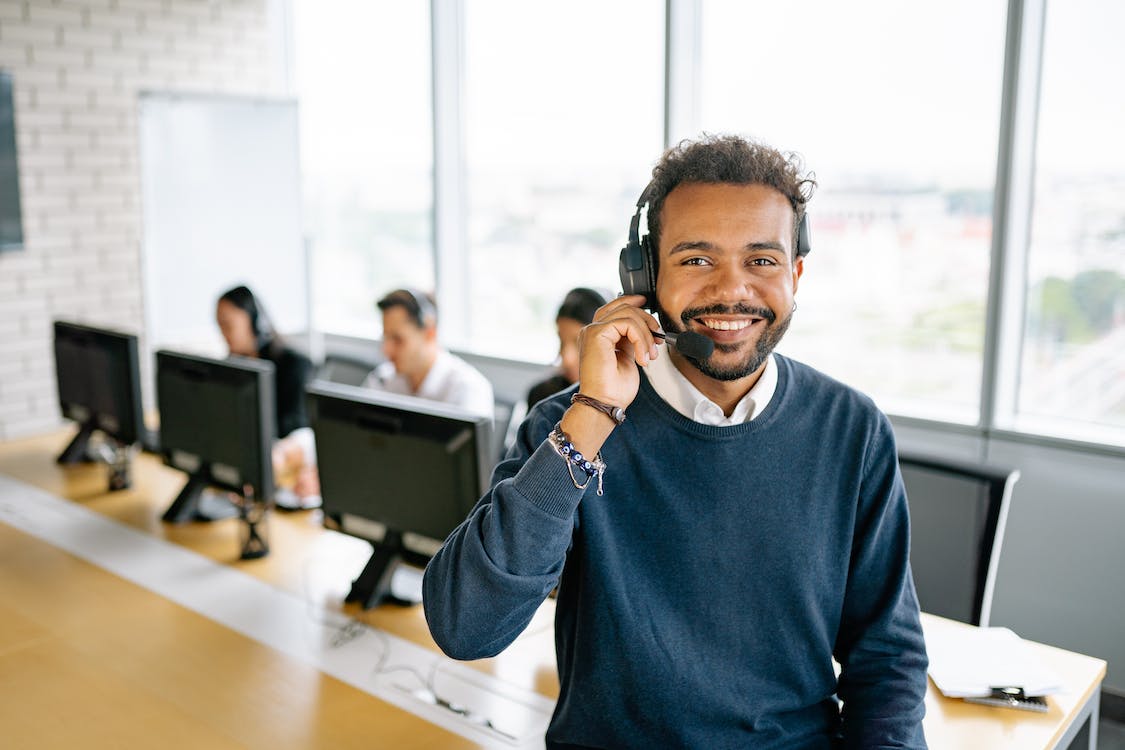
x=77 y=68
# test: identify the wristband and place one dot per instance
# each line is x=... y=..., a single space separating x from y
x=616 y=413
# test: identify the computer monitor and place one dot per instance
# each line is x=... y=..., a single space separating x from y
x=398 y=471
x=217 y=425
x=99 y=386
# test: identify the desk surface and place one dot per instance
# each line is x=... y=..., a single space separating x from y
x=89 y=659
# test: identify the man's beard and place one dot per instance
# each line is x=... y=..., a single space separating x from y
x=755 y=358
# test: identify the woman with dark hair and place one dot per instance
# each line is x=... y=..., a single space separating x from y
x=575 y=313
x=250 y=333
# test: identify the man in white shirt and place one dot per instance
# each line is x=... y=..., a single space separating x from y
x=417 y=365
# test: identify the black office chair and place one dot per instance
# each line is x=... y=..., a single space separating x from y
x=345 y=370
x=958 y=510
x=502 y=412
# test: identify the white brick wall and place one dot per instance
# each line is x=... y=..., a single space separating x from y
x=77 y=68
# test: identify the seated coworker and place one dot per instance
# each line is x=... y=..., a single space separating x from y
x=576 y=311
x=417 y=365
x=249 y=333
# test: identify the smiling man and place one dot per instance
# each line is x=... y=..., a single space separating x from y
x=720 y=529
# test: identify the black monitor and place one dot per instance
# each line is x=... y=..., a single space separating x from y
x=99 y=386
x=398 y=471
x=217 y=425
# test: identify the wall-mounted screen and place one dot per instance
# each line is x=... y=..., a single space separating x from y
x=11 y=223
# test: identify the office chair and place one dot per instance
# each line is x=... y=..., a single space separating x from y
x=345 y=370
x=502 y=413
x=958 y=510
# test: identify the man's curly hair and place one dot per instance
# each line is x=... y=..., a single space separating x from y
x=733 y=160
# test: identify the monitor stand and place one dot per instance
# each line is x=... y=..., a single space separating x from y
x=78 y=450
x=114 y=454
x=194 y=504
x=373 y=587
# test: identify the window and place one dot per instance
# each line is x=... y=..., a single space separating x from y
x=899 y=123
x=564 y=119
x=363 y=78
x=1072 y=376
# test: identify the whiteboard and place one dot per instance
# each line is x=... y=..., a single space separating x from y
x=221 y=207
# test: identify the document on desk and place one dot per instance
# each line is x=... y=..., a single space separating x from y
x=969 y=662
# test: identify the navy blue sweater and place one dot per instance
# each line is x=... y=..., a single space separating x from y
x=703 y=597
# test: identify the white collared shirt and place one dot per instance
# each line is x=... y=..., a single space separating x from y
x=671 y=385
x=451 y=380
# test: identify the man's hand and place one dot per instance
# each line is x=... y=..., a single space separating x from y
x=609 y=351
x=620 y=336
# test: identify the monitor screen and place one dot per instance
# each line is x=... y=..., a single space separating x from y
x=11 y=222
x=217 y=424
x=400 y=471
x=98 y=375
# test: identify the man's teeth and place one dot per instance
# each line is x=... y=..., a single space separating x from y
x=726 y=325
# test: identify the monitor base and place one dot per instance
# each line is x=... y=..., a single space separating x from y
x=373 y=586
x=77 y=450
x=194 y=504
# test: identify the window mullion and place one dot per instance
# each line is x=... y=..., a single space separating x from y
x=1015 y=170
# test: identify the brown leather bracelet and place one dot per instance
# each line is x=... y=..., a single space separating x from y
x=616 y=413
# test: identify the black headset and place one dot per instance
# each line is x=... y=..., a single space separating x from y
x=260 y=324
x=636 y=266
x=426 y=308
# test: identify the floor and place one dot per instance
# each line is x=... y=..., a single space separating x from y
x=1111 y=735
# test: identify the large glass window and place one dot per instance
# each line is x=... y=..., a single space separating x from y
x=1072 y=379
x=363 y=78
x=564 y=119
x=895 y=107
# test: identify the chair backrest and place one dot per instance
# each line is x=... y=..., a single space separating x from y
x=958 y=511
x=502 y=411
x=345 y=370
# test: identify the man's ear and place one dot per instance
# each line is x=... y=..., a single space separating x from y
x=798 y=269
x=429 y=332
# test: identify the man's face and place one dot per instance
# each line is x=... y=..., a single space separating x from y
x=404 y=343
x=569 y=329
x=727 y=271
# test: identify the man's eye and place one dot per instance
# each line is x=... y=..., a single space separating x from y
x=763 y=262
x=696 y=262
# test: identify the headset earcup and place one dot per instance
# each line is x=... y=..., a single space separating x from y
x=631 y=269
x=263 y=331
x=637 y=272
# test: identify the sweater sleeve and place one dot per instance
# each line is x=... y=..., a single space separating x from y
x=482 y=587
x=880 y=646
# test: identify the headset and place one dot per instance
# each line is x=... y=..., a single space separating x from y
x=260 y=324
x=425 y=308
x=637 y=265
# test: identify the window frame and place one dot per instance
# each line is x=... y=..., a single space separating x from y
x=1012 y=205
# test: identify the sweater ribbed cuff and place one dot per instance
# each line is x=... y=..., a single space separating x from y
x=546 y=483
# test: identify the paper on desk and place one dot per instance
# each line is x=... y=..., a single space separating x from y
x=968 y=662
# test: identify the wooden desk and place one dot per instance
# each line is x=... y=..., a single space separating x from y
x=954 y=723
x=88 y=659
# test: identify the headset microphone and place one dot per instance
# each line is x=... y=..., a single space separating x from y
x=689 y=343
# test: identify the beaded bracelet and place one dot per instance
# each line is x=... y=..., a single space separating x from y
x=563 y=446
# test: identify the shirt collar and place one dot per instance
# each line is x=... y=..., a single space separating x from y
x=671 y=385
x=431 y=385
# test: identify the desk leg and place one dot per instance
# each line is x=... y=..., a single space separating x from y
x=1087 y=717
x=1095 y=714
